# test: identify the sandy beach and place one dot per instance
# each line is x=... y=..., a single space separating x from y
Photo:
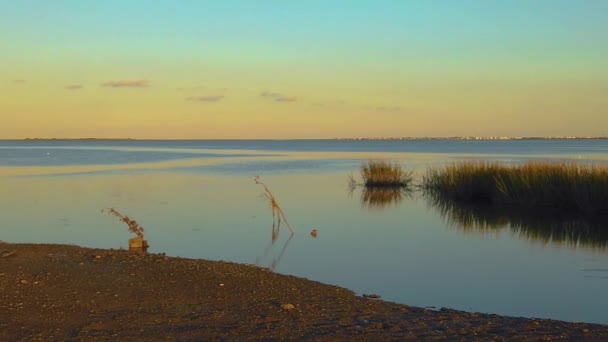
x=64 y=292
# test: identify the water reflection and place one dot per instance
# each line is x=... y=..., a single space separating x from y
x=532 y=225
x=273 y=238
x=378 y=198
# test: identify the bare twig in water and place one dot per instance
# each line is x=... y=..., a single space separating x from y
x=277 y=216
x=277 y=212
x=134 y=227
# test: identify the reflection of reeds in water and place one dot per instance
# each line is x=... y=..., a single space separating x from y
x=273 y=238
x=379 y=198
x=384 y=183
x=533 y=225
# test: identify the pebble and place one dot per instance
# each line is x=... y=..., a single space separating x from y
x=287 y=306
x=371 y=296
x=378 y=325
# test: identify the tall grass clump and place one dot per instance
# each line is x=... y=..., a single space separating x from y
x=380 y=173
x=562 y=186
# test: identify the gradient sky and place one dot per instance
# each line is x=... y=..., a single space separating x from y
x=302 y=69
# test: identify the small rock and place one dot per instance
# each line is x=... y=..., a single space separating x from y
x=287 y=306
x=98 y=257
x=5 y=254
x=23 y=281
x=313 y=233
x=378 y=325
x=371 y=296
x=221 y=285
x=585 y=330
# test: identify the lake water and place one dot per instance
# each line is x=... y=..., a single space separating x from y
x=198 y=199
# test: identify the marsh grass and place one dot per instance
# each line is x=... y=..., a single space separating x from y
x=132 y=225
x=380 y=173
x=562 y=186
x=544 y=226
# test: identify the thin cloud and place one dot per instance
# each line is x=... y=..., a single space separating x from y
x=278 y=97
x=330 y=103
x=127 y=84
x=286 y=99
x=74 y=87
x=271 y=95
x=191 y=88
x=387 y=108
x=206 y=98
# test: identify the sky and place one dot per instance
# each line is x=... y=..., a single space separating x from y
x=264 y=69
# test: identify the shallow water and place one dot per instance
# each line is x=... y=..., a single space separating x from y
x=199 y=200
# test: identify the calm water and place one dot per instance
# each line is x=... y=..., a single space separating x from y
x=198 y=199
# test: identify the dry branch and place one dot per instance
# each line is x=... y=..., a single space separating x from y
x=274 y=205
x=134 y=227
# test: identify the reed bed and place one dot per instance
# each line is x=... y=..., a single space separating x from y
x=380 y=173
x=563 y=186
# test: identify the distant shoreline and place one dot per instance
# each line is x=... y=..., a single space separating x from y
x=482 y=138
x=342 y=139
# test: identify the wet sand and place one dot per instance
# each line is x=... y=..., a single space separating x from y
x=61 y=292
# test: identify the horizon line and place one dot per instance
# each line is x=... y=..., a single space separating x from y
x=464 y=137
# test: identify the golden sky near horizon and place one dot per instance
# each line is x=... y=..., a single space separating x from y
x=367 y=69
